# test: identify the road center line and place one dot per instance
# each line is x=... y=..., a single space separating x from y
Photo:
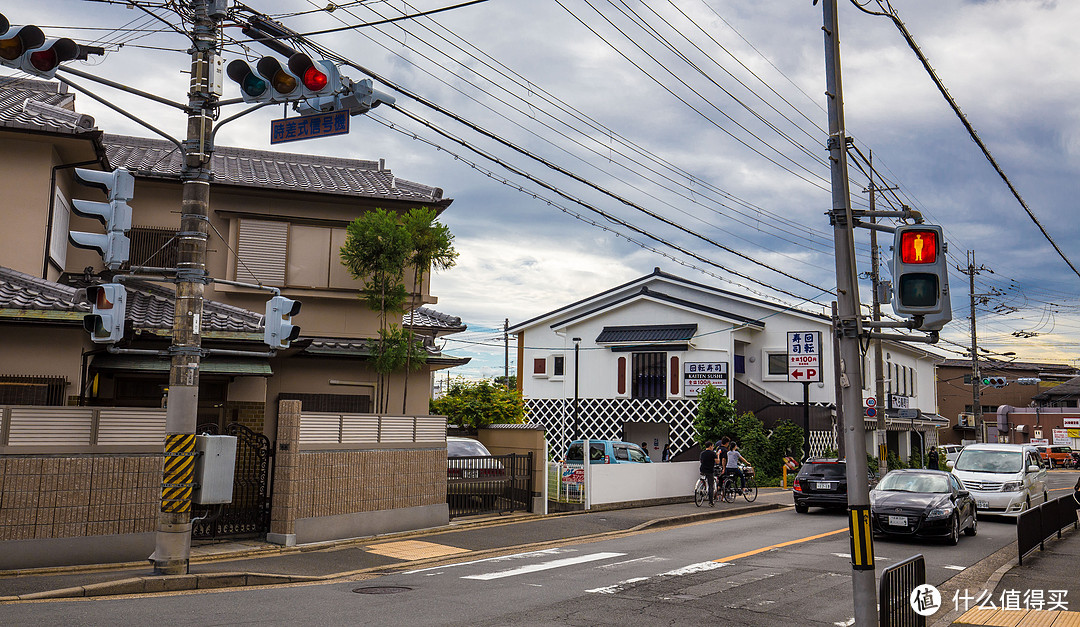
x=780 y=545
x=532 y=568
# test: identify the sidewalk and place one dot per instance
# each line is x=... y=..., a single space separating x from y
x=256 y=563
x=1043 y=576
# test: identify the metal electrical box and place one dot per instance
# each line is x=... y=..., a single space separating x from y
x=214 y=468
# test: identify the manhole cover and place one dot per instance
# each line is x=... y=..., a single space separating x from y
x=381 y=590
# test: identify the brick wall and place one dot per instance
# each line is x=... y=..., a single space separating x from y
x=250 y=414
x=348 y=482
x=71 y=497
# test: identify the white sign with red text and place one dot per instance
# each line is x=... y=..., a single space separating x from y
x=804 y=356
x=1072 y=423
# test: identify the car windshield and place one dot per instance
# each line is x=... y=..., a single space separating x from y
x=465 y=448
x=990 y=461
x=826 y=471
x=914 y=482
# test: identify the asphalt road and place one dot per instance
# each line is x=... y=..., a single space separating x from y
x=763 y=569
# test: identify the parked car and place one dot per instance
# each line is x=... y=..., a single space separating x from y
x=471 y=470
x=823 y=483
x=926 y=503
x=607 y=452
x=1004 y=478
x=949 y=452
x=1055 y=456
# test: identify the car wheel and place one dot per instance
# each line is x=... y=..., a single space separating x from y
x=974 y=528
x=802 y=509
x=954 y=531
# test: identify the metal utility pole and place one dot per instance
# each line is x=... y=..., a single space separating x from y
x=848 y=329
x=173 y=541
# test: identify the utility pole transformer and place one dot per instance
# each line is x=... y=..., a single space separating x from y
x=848 y=329
x=172 y=548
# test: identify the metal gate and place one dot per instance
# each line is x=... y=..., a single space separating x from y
x=489 y=484
x=249 y=512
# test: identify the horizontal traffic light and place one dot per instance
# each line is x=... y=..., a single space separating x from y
x=26 y=48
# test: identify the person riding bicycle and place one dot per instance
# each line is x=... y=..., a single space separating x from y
x=731 y=463
x=706 y=467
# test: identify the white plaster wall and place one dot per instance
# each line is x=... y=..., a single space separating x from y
x=617 y=483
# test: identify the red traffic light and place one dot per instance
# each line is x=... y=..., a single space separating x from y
x=918 y=246
x=314 y=79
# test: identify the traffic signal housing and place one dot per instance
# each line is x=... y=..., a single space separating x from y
x=26 y=48
x=995 y=382
x=267 y=82
x=119 y=187
x=108 y=305
x=920 y=270
x=278 y=329
x=320 y=83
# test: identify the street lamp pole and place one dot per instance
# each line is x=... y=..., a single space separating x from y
x=577 y=352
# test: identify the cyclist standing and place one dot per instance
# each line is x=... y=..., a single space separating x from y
x=731 y=463
x=706 y=467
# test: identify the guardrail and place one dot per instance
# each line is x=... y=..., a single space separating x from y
x=894 y=592
x=1035 y=526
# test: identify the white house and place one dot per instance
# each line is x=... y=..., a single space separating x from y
x=634 y=357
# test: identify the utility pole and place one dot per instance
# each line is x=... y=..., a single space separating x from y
x=848 y=329
x=506 y=353
x=172 y=548
x=976 y=376
x=879 y=362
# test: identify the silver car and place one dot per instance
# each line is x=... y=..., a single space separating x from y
x=1004 y=478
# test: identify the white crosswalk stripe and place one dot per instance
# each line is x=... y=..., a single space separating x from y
x=532 y=568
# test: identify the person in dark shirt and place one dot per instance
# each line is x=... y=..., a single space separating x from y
x=706 y=468
x=932 y=458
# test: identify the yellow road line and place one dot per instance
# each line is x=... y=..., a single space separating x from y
x=782 y=544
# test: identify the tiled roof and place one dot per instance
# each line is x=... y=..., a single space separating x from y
x=264 y=169
x=647 y=333
x=40 y=106
x=148 y=306
x=423 y=317
x=1069 y=389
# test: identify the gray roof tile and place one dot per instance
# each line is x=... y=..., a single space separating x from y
x=40 y=106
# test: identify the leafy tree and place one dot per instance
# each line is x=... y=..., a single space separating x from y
x=432 y=250
x=502 y=381
x=715 y=415
x=475 y=404
x=376 y=250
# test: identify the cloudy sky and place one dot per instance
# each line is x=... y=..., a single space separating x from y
x=707 y=113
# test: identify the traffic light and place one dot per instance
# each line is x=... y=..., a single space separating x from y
x=995 y=382
x=26 y=48
x=268 y=82
x=119 y=188
x=362 y=97
x=920 y=271
x=1028 y=381
x=108 y=304
x=279 y=329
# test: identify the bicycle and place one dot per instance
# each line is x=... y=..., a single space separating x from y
x=729 y=490
x=701 y=490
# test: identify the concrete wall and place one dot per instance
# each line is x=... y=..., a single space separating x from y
x=619 y=483
x=503 y=441
x=78 y=509
x=352 y=491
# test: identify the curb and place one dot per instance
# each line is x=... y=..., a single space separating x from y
x=164 y=583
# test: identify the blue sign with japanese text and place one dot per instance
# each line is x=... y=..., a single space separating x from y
x=309 y=127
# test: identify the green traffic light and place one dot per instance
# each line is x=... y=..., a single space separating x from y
x=253 y=85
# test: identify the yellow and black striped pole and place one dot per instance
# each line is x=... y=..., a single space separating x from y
x=177 y=478
x=862 y=537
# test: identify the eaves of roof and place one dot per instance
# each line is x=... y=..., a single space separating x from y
x=646 y=292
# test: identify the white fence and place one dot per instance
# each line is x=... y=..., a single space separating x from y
x=25 y=429
x=319 y=430
x=621 y=483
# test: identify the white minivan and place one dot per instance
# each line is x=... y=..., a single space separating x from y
x=1004 y=478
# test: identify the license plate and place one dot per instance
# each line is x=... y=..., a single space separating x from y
x=824 y=485
x=898 y=521
x=471 y=473
x=982 y=504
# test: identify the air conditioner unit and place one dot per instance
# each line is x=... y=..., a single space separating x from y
x=965 y=420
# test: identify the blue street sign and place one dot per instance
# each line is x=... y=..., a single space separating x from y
x=309 y=127
x=871 y=412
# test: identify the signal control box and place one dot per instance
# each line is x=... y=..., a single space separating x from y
x=214 y=469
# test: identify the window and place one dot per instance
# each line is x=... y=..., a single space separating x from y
x=296 y=255
x=778 y=364
x=649 y=375
x=558 y=366
x=540 y=367
x=621 y=453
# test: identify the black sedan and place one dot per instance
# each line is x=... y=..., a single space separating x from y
x=926 y=503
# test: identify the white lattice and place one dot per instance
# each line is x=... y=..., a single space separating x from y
x=821 y=441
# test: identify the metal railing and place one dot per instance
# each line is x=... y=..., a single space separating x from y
x=496 y=483
x=1035 y=526
x=894 y=593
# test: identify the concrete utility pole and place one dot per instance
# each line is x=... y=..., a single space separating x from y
x=506 y=353
x=976 y=376
x=173 y=541
x=848 y=330
x=879 y=362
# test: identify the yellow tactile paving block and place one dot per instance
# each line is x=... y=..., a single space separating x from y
x=981 y=617
x=410 y=550
x=1067 y=619
x=1036 y=618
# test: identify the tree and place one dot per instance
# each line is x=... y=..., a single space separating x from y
x=715 y=415
x=475 y=404
x=376 y=249
x=432 y=250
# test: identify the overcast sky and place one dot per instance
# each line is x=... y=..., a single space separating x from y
x=708 y=113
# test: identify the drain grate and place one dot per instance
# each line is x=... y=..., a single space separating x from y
x=381 y=590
